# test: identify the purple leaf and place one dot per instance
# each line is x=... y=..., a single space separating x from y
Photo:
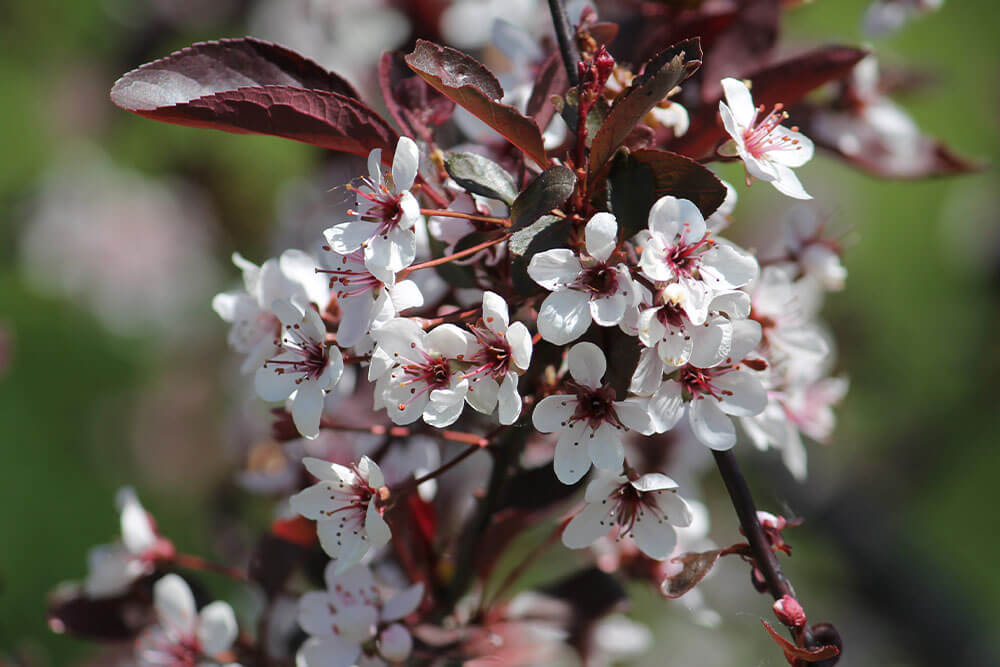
x=551 y=80
x=659 y=76
x=694 y=566
x=413 y=104
x=472 y=86
x=743 y=45
x=251 y=87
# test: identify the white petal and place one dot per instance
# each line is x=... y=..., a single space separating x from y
x=375 y=165
x=675 y=347
x=587 y=364
x=711 y=425
x=586 y=527
x=666 y=407
x=371 y=472
x=648 y=373
x=726 y=266
x=742 y=393
x=405 y=163
x=332 y=651
x=403 y=603
x=347 y=237
x=634 y=413
x=564 y=316
x=800 y=148
x=395 y=643
x=605 y=447
x=482 y=394
x=654 y=537
x=450 y=341
x=509 y=399
x=216 y=628
x=377 y=529
x=315 y=615
x=174 y=605
x=405 y=295
x=307 y=409
x=137 y=530
x=739 y=100
x=608 y=311
x=386 y=255
x=554 y=268
x=319 y=500
x=654 y=481
x=711 y=342
x=495 y=312
x=746 y=338
x=572 y=460
x=519 y=339
x=673 y=217
x=286 y=311
x=652 y=260
x=787 y=183
x=300 y=267
x=445 y=405
x=601 y=236
x=675 y=509
x=553 y=412
x=332 y=472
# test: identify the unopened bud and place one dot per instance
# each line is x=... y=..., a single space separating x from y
x=790 y=612
x=395 y=643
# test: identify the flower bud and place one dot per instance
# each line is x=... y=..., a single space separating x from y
x=790 y=612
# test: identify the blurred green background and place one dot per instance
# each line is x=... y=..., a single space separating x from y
x=901 y=531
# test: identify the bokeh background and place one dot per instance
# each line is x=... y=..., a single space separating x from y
x=115 y=232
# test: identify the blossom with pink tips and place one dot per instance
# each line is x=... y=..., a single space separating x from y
x=768 y=150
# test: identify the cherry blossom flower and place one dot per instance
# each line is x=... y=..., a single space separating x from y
x=350 y=621
x=786 y=310
x=590 y=421
x=503 y=351
x=711 y=395
x=305 y=368
x=344 y=505
x=585 y=289
x=818 y=256
x=678 y=248
x=678 y=341
x=673 y=115
x=420 y=375
x=645 y=509
x=364 y=301
x=113 y=567
x=254 y=325
x=386 y=215
x=768 y=150
x=183 y=636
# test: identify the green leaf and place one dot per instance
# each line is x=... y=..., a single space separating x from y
x=481 y=176
x=659 y=76
x=550 y=190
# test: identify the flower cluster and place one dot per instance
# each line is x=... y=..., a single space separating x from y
x=486 y=329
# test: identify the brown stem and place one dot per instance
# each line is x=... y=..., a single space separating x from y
x=765 y=559
x=567 y=40
x=469 y=451
x=192 y=562
x=452 y=257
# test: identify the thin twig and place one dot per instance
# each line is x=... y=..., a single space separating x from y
x=452 y=257
x=567 y=40
x=765 y=559
x=192 y=562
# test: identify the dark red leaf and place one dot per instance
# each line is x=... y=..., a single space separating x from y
x=551 y=80
x=683 y=178
x=212 y=67
x=116 y=618
x=273 y=561
x=694 y=567
x=744 y=44
x=787 y=82
x=315 y=117
x=252 y=87
x=872 y=150
x=659 y=76
x=413 y=104
x=471 y=85
x=793 y=652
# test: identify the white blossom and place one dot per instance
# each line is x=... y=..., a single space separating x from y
x=254 y=324
x=679 y=341
x=386 y=215
x=418 y=372
x=184 y=636
x=350 y=620
x=344 y=505
x=304 y=369
x=678 y=248
x=768 y=150
x=645 y=509
x=585 y=289
x=113 y=567
x=590 y=422
x=818 y=257
x=502 y=353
